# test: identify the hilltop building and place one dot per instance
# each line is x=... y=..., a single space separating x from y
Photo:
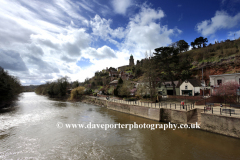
x=131 y=63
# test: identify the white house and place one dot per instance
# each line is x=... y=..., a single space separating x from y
x=190 y=87
x=216 y=80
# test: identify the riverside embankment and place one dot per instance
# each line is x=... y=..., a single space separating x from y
x=221 y=124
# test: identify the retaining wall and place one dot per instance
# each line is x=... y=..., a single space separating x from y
x=158 y=114
x=225 y=125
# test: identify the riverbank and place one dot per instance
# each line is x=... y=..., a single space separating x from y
x=220 y=124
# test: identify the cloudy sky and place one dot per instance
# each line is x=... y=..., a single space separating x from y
x=42 y=40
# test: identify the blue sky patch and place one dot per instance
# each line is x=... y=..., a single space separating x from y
x=84 y=62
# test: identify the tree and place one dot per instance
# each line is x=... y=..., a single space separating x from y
x=202 y=41
x=75 y=84
x=199 y=42
x=168 y=62
x=116 y=90
x=110 y=90
x=227 y=91
x=193 y=45
x=93 y=84
x=120 y=81
x=125 y=88
x=182 y=45
x=150 y=75
x=185 y=65
x=77 y=91
x=141 y=90
x=10 y=88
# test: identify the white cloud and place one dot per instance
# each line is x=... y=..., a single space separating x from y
x=147 y=15
x=101 y=27
x=121 y=6
x=144 y=31
x=48 y=42
x=221 y=20
x=105 y=52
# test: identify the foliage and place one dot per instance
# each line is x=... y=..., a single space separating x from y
x=228 y=88
x=110 y=90
x=76 y=92
x=124 y=89
x=182 y=45
x=150 y=75
x=168 y=62
x=213 y=52
x=141 y=90
x=75 y=84
x=198 y=42
x=10 y=88
x=57 y=88
x=120 y=81
x=227 y=91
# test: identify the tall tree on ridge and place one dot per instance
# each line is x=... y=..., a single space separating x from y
x=182 y=45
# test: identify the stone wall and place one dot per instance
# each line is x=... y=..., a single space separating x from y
x=158 y=114
x=210 y=100
x=150 y=113
x=225 y=125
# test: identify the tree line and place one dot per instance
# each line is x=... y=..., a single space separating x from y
x=10 y=88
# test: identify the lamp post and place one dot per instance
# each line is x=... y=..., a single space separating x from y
x=186 y=100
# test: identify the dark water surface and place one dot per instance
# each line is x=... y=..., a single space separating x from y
x=30 y=132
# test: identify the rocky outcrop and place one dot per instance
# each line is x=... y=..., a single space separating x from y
x=222 y=66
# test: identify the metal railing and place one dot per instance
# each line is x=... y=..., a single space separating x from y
x=176 y=106
x=222 y=111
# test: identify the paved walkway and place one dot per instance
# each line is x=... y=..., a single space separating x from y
x=225 y=111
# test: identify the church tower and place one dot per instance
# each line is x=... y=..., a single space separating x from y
x=131 y=61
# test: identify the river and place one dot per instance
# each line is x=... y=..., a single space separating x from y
x=30 y=131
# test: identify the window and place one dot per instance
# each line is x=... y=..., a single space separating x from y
x=185 y=87
x=219 y=81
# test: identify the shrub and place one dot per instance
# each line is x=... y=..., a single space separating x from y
x=76 y=92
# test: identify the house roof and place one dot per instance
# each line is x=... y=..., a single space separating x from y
x=194 y=82
x=114 y=82
x=224 y=75
x=169 y=82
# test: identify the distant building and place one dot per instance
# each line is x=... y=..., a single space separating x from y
x=131 y=63
x=216 y=80
x=166 y=88
x=113 y=74
x=191 y=87
x=114 y=83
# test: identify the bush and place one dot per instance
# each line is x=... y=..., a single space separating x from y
x=76 y=92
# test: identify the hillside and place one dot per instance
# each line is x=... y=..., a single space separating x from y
x=219 y=58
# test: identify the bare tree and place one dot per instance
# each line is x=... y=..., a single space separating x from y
x=150 y=75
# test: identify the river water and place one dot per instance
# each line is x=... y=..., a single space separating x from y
x=30 y=132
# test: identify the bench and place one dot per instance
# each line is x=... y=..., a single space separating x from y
x=235 y=105
x=210 y=104
x=227 y=111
